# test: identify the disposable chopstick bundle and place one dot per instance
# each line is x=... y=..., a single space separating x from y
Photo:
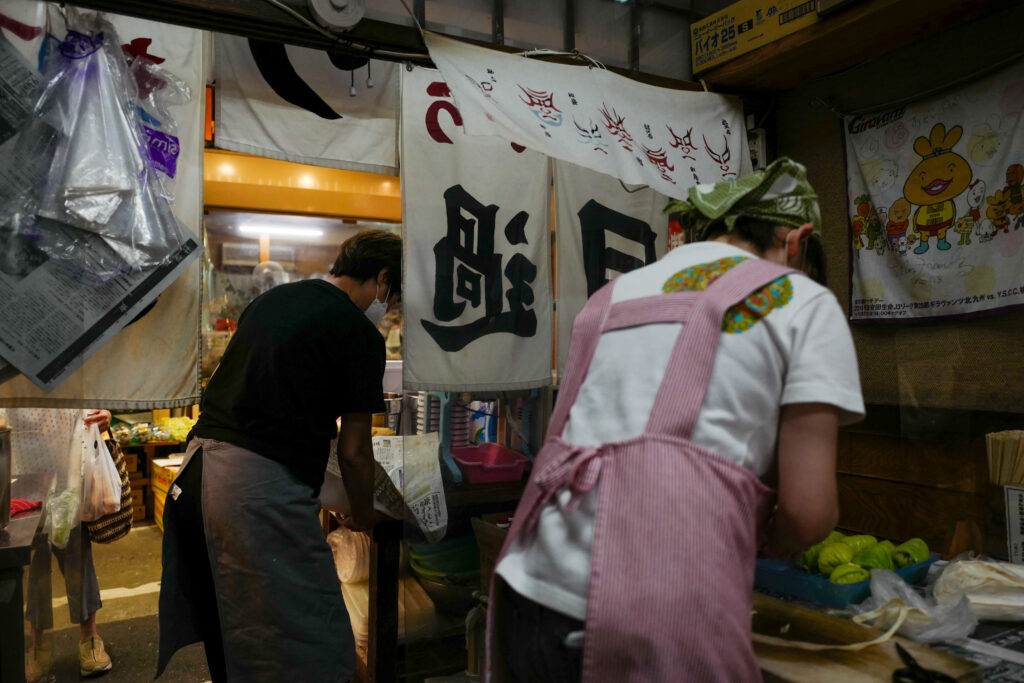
x=1005 y=457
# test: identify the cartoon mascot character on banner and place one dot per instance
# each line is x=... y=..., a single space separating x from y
x=935 y=182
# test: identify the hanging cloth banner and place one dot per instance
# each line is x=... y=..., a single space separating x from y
x=306 y=106
x=936 y=192
x=154 y=362
x=668 y=139
x=604 y=229
x=477 y=292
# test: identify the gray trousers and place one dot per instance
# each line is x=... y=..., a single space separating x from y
x=79 y=572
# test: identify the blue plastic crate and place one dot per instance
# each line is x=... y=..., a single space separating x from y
x=787 y=580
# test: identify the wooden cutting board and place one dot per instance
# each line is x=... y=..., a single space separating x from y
x=875 y=663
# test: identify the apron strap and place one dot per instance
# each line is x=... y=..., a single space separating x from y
x=681 y=394
x=674 y=307
x=586 y=332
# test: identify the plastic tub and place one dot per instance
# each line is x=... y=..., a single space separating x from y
x=452 y=555
x=784 y=579
x=489 y=462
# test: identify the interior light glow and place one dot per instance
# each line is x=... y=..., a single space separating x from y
x=283 y=230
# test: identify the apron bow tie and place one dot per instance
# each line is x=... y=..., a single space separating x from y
x=578 y=470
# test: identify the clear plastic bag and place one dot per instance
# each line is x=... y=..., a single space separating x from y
x=995 y=589
x=101 y=482
x=64 y=503
x=100 y=175
x=925 y=619
x=158 y=90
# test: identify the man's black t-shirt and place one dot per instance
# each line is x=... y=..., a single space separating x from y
x=302 y=355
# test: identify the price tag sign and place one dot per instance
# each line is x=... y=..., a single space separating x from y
x=1014 y=523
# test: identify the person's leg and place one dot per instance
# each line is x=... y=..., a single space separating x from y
x=188 y=510
x=84 y=601
x=281 y=610
x=39 y=609
x=537 y=641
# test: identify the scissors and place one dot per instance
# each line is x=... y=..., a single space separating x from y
x=915 y=673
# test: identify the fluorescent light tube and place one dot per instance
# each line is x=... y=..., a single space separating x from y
x=284 y=230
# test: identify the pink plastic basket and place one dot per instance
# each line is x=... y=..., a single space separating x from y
x=489 y=462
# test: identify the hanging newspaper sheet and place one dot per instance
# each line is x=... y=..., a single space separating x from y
x=53 y=320
x=306 y=106
x=604 y=229
x=936 y=192
x=668 y=139
x=477 y=302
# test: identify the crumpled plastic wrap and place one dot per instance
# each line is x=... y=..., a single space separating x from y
x=351 y=554
x=925 y=619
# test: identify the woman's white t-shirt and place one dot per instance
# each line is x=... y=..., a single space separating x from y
x=800 y=351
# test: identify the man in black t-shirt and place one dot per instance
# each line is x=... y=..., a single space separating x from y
x=246 y=567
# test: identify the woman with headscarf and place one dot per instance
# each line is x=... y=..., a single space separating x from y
x=697 y=387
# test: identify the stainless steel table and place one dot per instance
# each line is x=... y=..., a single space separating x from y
x=15 y=555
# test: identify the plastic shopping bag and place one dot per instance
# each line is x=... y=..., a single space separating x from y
x=924 y=620
x=101 y=482
x=100 y=166
x=63 y=503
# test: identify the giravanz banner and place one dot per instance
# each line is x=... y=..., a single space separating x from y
x=604 y=228
x=477 y=292
x=936 y=192
x=591 y=117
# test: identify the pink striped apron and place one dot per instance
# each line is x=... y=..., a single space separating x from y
x=677 y=525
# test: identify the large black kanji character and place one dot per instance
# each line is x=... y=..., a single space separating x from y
x=595 y=221
x=467 y=267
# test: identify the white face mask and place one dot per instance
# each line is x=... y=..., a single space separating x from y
x=377 y=308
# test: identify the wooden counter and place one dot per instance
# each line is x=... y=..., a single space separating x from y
x=875 y=663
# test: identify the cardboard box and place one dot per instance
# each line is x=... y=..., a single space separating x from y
x=489 y=538
x=138 y=513
x=131 y=461
x=138 y=497
x=162 y=472
x=159 y=498
x=745 y=26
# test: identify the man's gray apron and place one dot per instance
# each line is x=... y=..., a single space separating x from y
x=281 y=612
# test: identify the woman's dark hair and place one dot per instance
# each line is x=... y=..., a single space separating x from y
x=759 y=233
x=366 y=253
x=814 y=260
x=762 y=236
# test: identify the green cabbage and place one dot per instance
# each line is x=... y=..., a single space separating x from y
x=835 y=537
x=849 y=573
x=860 y=542
x=874 y=557
x=809 y=561
x=913 y=551
x=888 y=546
x=833 y=555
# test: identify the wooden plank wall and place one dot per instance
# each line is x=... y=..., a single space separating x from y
x=897 y=486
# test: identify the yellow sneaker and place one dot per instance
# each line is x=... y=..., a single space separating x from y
x=37 y=663
x=92 y=658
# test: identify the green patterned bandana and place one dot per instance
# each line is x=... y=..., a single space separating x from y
x=779 y=195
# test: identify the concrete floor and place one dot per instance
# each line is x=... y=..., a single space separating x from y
x=129 y=578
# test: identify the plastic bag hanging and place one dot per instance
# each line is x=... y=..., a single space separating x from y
x=102 y=178
x=101 y=482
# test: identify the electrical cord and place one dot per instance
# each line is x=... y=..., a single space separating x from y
x=348 y=42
